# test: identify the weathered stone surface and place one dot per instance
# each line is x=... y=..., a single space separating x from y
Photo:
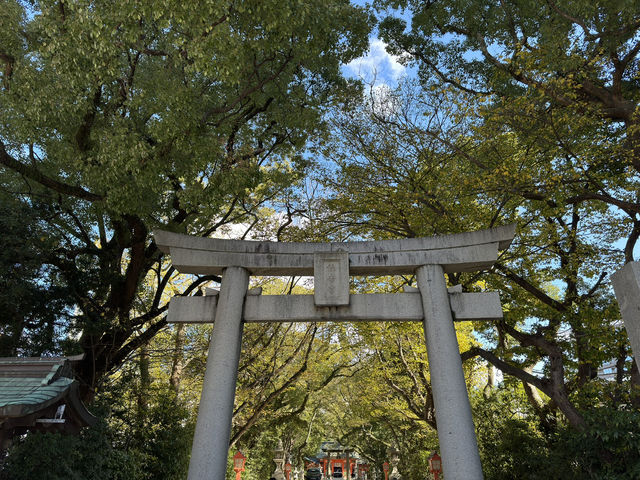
x=430 y=258
x=301 y=308
x=458 y=259
x=503 y=235
x=192 y=309
x=213 y=427
x=398 y=307
x=456 y=253
x=331 y=279
x=626 y=284
x=456 y=432
x=475 y=306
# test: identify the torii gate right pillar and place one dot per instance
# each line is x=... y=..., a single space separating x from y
x=626 y=284
x=456 y=431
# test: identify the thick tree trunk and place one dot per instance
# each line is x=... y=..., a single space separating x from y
x=561 y=399
x=534 y=395
x=177 y=360
x=559 y=392
x=635 y=384
x=145 y=383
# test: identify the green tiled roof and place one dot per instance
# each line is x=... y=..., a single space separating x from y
x=28 y=385
x=32 y=388
x=22 y=396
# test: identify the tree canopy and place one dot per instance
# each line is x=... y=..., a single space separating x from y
x=233 y=119
x=564 y=78
x=124 y=117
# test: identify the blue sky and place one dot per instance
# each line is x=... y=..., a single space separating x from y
x=377 y=66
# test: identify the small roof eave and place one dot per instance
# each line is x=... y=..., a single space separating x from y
x=31 y=387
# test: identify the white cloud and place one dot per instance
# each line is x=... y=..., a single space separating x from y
x=377 y=66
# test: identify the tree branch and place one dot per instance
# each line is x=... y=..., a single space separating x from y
x=540 y=383
x=35 y=175
x=536 y=292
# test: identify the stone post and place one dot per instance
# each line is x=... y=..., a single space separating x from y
x=626 y=284
x=213 y=427
x=456 y=432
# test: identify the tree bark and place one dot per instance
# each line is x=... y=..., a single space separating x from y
x=145 y=383
x=635 y=384
x=177 y=360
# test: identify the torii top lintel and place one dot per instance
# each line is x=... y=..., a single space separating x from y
x=461 y=252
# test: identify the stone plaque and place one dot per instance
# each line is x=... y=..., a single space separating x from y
x=331 y=278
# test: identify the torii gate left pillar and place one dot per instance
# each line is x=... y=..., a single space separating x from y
x=331 y=264
x=213 y=427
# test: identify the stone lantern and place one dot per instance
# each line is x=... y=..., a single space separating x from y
x=278 y=459
x=395 y=459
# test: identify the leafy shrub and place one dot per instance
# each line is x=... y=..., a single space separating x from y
x=54 y=456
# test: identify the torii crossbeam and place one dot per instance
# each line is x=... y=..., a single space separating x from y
x=331 y=264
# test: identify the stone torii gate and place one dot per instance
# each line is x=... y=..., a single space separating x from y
x=331 y=264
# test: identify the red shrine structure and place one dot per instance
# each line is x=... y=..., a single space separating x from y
x=334 y=457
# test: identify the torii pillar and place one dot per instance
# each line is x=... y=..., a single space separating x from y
x=456 y=431
x=331 y=264
x=209 y=452
x=626 y=285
